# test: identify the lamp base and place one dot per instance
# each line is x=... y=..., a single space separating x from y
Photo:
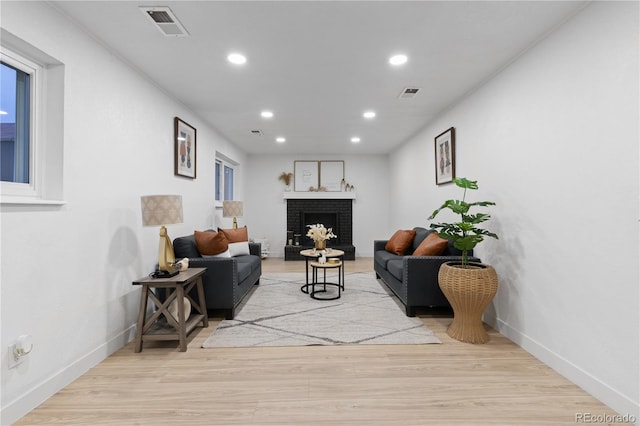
x=165 y=274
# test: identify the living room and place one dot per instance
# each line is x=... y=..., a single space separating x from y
x=541 y=136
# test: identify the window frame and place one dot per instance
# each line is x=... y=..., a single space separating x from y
x=220 y=179
x=47 y=127
x=36 y=90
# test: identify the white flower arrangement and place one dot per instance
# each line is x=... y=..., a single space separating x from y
x=318 y=232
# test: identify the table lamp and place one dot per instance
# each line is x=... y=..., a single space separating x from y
x=163 y=210
x=232 y=209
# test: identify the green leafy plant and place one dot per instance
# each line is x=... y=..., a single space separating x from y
x=465 y=233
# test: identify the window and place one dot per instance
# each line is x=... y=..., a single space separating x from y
x=31 y=124
x=16 y=120
x=225 y=178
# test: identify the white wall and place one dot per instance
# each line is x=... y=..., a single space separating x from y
x=67 y=271
x=553 y=140
x=266 y=210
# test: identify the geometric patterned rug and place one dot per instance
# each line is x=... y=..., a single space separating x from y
x=277 y=313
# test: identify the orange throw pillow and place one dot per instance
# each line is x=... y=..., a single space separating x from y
x=236 y=235
x=433 y=245
x=400 y=241
x=210 y=243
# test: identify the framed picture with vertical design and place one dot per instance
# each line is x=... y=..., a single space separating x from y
x=184 y=149
x=445 y=156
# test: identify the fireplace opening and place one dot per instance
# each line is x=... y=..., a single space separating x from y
x=329 y=220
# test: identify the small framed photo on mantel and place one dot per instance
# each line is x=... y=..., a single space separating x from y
x=184 y=149
x=445 y=155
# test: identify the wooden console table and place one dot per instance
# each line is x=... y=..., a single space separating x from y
x=182 y=284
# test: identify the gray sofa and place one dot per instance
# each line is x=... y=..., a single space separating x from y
x=414 y=279
x=227 y=279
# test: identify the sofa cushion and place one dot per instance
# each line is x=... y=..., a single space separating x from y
x=236 y=235
x=247 y=265
x=210 y=243
x=394 y=266
x=400 y=241
x=381 y=257
x=433 y=245
x=421 y=234
x=244 y=270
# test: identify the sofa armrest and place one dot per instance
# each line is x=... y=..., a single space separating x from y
x=255 y=249
x=379 y=245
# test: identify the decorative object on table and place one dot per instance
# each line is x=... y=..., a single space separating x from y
x=260 y=321
x=185 y=149
x=286 y=178
x=232 y=209
x=445 y=155
x=323 y=258
x=183 y=264
x=305 y=175
x=319 y=234
x=331 y=175
x=468 y=286
x=163 y=210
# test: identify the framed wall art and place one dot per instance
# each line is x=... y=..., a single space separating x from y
x=305 y=175
x=445 y=155
x=331 y=175
x=185 y=149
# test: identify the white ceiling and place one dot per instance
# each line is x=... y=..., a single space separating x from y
x=318 y=65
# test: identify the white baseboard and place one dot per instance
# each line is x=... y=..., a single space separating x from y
x=590 y=384
x=26 y=402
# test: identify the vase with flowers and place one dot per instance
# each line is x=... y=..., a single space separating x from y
x=286 y=178
x=319 y=234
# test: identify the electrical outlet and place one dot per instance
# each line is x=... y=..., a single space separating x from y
x=14 y=360
x=19 y=350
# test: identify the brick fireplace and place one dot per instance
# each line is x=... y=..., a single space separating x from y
x=332 y=213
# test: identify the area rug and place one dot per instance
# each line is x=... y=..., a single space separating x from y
x=277 y=313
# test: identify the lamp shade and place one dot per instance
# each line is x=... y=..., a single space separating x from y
x=232 y=208
x=161 y=209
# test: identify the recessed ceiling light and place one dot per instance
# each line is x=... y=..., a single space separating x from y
x=266 y=114
x=398 y=59
x=355 y=139
x=281 y=140
x=369 y=114
x=237 y=58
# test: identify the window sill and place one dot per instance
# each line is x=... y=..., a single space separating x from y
x=22 y=201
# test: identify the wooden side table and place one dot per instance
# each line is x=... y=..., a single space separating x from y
x=182 y=284
x=324 y=266
x=313 y=255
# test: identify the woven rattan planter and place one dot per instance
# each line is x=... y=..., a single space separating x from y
x=469 y=290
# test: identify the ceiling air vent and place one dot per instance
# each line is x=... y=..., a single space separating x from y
x=256 y=132
x=409 y=92
x=166 y=22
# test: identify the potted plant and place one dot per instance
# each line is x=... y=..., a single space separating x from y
x=469 y=286
x=286 y=178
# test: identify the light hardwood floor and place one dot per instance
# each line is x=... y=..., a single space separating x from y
x=454 y=383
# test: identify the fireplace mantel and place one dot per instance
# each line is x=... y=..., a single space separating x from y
x=318 y=195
